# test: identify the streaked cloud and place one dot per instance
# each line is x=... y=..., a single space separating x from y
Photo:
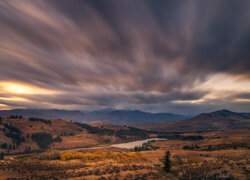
x=179 y=56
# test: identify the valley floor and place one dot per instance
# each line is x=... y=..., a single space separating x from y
x=115 y=163
x=234 y=164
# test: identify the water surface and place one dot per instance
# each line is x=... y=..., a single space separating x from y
x=133 y=144
x=128 y=145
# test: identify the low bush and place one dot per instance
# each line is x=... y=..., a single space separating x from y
x=40 y=120
x=192 y=147
x=190 y=161
x=100 y=155
x=57 y=139
x=49 y=155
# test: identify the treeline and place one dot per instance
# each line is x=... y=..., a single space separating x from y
x=121 y=133
x=40 y=120
x=192 y=147
x=15 y=117
x=11 y=128
x=15 y=134
x=145 y=147
x=181 y=137
x=67 y=134
x=97 y=130
x=44 y=140
x=235 y=145
x=218 y=146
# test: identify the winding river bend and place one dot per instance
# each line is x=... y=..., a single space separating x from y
x=133 y=144
x=128 y=145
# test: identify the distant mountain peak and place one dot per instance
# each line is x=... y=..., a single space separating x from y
x=213 y=121
x=225 y=111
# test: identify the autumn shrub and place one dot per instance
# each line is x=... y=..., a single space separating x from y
x=70 y=155
x=49 y=155
x=100 y=155
x=26 y=158
x=190 y=161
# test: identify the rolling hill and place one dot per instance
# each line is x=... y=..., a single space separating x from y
x=22 y=135
x=119 y=117
x=218 y=120
x=125 y=117
x=45 y=114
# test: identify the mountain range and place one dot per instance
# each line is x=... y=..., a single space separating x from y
x=120 y=117
x=45 y=113
x=123 y=117
x=214 y=121
x=164 y=122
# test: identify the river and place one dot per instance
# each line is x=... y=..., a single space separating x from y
x=128 y=145
x=133 y=144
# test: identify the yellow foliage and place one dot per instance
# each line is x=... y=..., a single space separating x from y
x=100 y=155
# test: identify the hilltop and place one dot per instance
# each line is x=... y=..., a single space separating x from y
x=18 y=135
x=122 y=117
x=119 y=117
x=218 y=120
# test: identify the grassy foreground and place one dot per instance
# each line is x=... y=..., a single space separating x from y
x=219 y=155
x=106 y=164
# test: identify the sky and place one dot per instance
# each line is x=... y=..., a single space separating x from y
x=174 y=56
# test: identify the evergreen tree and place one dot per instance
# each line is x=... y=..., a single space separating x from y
x=2 y=156
x=167 y=162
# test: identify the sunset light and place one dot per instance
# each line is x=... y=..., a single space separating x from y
x=16 y=88
x=22 y=89
x=125 y=89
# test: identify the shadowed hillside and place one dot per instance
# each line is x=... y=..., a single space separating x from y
x=218 y=120
x=122 y=117
x=18 y=135
x=45 y=114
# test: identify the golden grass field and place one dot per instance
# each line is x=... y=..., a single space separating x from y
x=115 y=163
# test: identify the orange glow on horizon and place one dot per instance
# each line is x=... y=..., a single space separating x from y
x=18 y=88
x=13 y=99
x=242 y=100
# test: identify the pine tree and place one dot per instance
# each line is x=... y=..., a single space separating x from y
x=2 y=156
x=167 y=162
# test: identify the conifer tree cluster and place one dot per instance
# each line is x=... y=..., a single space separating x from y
x=167 y=162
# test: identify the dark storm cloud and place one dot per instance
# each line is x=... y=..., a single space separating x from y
x=122 y=53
